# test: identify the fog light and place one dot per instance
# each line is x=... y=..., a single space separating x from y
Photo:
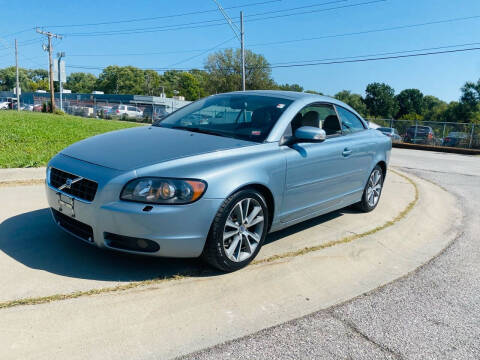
x=142 y=244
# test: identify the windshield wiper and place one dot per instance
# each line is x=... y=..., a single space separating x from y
x=197 y=130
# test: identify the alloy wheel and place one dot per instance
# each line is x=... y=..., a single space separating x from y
x=374 y=187
x=243 y=230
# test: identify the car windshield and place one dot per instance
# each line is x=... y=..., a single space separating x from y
x=242 y=116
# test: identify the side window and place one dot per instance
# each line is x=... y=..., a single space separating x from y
x=350 y=122
x=322 y=116
x=131 y=108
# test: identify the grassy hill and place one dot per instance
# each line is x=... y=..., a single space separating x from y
x=29 y=139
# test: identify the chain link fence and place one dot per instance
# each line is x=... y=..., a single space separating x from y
x=116 y=110
x=448 y=134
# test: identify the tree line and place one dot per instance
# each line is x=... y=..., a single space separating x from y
x=222 y=73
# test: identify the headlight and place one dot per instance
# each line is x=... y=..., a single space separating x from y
x=163 y=191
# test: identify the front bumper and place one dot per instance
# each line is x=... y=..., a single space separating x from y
x=179 y=230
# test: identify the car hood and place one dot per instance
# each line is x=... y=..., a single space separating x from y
x=138 y=147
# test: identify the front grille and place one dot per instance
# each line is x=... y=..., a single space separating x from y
x=76 y=227
x=84 y=189
x=130 y=243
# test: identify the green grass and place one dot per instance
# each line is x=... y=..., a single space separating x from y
x=29 y=139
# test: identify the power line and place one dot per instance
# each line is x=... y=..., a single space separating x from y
x=377 y=58
x=202 y=53
x=378 y=54
x=215 y=22
x=164 y=16
x=342 y=60
x=399 y=27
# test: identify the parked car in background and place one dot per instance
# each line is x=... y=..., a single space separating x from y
x=125 y=112
x=4 y=105
x=154 y=114
x=457 y=139
x=101 y=110
x=215 y=188
x=420 y=135
x=37 y=107
x=392 y=133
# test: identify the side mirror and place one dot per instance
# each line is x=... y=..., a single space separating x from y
x=310 y=134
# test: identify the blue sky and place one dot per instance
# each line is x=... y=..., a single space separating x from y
x=439 y=75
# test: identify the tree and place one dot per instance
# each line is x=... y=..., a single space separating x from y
x=121 y=80
x=433 y=108
x=224 y=68
x=290 y=87
x=471 y=94
x=152 y=83
x=313 y=92
x=410 y=101
x=380 y=100
x=80 y=82
x=354 y=100
x=189 y=86
x=30 y=79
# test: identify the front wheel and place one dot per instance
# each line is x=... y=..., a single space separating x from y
x=238 y=231
x=372 y=191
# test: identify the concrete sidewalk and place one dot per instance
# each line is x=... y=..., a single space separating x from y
x=22 y=176
x=168 y=319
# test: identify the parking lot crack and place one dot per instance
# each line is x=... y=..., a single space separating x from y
x=354 y=328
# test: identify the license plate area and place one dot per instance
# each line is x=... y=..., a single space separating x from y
x=66 y=204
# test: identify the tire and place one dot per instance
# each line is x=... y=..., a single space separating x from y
x=376 y=185
x=232 y=243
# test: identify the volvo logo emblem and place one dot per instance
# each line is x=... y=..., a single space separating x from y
x=69 y=182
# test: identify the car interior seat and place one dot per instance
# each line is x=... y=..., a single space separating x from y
x=311 y=118
x=331 y=125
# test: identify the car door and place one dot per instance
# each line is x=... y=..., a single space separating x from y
x=316 y=172
x=359 y=145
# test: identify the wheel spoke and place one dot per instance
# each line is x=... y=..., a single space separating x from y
x=228 y=235
x=255 y=221
x=245 y=209
x=231 y=249
x=253 y=214
x=239 y=211
x=253 y=235
x=370 y=199
x=248 y=245
x=231 y=224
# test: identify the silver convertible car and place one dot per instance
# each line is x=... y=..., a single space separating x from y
x=213 y=178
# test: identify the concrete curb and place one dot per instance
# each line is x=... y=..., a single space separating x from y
x=22 y=176
x=437 y=148
x=183 y=316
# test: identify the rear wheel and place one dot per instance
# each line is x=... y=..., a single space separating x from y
x=372 y=191
x=238 y=231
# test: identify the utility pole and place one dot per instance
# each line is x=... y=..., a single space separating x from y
x=242 y=44
x=239 y=33
x=60 y=56
x=50 y=62
x=17 y=86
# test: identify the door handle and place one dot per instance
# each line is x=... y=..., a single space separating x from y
x=346 y=152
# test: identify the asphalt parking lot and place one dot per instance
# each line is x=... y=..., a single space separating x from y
x=432 y=313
